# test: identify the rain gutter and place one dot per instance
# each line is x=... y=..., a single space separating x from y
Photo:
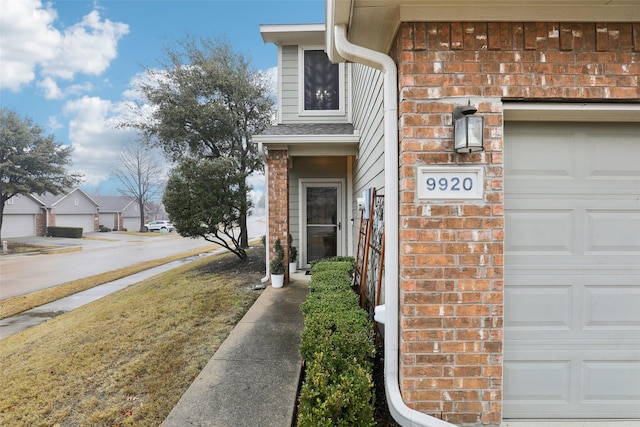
x=388 y=314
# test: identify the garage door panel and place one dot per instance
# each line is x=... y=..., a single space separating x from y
x=561 y=384
x=614 y=380
x=569 y=307
x=539 y=231
x=538 y=307
x=612 y=307
x=535 y=380
x=604 y=160
x=612 y=231
x=528 y=157
x=572 y=271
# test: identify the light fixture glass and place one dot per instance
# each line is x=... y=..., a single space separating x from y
x=468 y=131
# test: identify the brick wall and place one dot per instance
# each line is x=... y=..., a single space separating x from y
x=41 y=224
x=278 y=182
x=451 y=252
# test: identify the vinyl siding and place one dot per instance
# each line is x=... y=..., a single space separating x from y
x=368 y=119
x=68 y=206
x=22 y=205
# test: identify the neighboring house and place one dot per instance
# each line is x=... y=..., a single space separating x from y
x=119 y=212
x=72 y=209
x=24 y=215
x=512 y=275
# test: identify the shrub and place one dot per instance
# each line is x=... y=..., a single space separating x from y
x=276 y=266
x=331 y=398
x=337 y=263
x=73 y=232
x=338 y=347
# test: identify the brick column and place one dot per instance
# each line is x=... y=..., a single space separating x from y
x=278 y=182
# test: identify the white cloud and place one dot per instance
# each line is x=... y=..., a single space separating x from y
x=272 y=79
x=87 y=47
x=94 y=136
x=30 y=42
x=50 y=88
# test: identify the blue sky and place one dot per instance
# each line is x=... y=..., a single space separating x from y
x=69 y=64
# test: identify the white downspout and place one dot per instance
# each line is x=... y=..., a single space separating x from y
x=264 y=158
x=388 y=314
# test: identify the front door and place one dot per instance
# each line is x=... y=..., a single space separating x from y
x=321 y=220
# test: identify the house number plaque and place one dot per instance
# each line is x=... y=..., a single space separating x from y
x=450 y=183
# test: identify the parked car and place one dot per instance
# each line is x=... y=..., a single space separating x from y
x=159 y=225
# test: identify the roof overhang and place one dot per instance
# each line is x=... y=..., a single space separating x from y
x=373 y=23
x=293 y=34
x=311 y=145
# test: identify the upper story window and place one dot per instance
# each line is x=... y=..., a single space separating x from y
x=322 y=83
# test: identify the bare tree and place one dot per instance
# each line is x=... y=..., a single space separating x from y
x=139 y=172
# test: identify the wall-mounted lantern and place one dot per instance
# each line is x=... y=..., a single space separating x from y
x=468 y=130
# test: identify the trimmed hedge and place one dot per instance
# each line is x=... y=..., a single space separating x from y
x=73 y=232
x=337 y=345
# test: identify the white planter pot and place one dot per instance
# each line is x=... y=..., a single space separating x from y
x=277 y=280
x=292 y=267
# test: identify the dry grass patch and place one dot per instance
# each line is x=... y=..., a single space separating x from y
x=14 y=305
x=21 y=248
x=126 y=359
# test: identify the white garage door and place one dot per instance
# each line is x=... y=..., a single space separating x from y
x=84 y=221
x=131 y=224
x=18 y=226
x=572 y=270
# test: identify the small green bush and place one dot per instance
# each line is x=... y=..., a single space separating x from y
x=73 y=232
x=331 y=398
x=337 y=344
x=346 y=266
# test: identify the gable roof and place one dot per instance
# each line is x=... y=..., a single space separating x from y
x=51 y=200
x=114 y=203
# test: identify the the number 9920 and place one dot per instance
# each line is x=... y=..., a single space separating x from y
x=451 y=184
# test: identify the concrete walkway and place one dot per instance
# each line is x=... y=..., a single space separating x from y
x=252 y=380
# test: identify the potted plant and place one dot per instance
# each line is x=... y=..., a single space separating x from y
x=277 y=266
x=293 y=256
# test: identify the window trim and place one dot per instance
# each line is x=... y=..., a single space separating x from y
x=341 y=82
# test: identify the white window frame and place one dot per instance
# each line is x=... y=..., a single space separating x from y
x=341 y=85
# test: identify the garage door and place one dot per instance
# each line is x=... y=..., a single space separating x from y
x=572 y=270
x=18 y=226
x=84 y=221
x=131 y=224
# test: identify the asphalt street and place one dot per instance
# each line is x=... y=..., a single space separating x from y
x=99 y=253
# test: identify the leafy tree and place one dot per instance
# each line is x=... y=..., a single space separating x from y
x=29 y=161
x=203 y=199
x=139 y=173
x=208 y=103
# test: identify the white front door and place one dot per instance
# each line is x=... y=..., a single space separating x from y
x=322 y=220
